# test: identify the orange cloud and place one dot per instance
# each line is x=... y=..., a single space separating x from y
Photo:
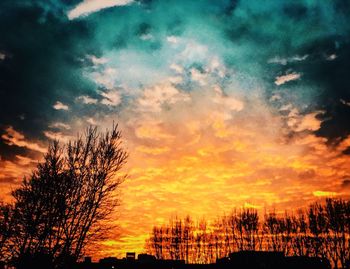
x=12 y=137
x=12 y=172
x=207 y=157
x=204 y=152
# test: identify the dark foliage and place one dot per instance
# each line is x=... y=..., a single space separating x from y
x=62 y=205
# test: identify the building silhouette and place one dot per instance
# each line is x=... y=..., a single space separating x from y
x=236 y=260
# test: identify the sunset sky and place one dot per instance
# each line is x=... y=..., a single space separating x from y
x=222 y=104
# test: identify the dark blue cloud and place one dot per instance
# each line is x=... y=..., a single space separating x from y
x=42 y=64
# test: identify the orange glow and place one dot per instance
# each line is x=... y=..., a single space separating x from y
x=204 y=160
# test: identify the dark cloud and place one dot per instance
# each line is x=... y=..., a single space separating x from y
x=45 y=64
x=346 y=183
x=318 y=30
x=347 y=151
x=326 y=70
x=9 y=152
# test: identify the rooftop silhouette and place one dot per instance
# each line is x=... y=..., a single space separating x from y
x=239 y=260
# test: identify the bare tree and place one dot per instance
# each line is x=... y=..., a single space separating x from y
x=321 y=230
x=248 y=226
x=337 y=213
x=273 y=226
x=188 y=237
x=61 y=207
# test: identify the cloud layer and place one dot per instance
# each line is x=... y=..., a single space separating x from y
x=221 y=103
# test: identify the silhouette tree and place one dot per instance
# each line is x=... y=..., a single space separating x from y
x=62 y=205
x=6 y=231
x=188 y=237
x=337 y=214
x=273 y=226
x=248 y=223
x=321 y=230
x=318 y=229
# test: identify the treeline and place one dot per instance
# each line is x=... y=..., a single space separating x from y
x=322 y=230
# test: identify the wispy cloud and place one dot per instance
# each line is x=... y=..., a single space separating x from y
x=12 y=173
x=89 y=6
x=60 y=125
x=285 y=78
x=347 y=103
x=284 y=61
x=96 y=60
x=60 y=106
x=2 y=56
x=160 y=95
x=331 y=57
x=85 y=99
x=13 y=137
x=58 y=136
x=304 y=122
x=111 y=98
x=228 y=102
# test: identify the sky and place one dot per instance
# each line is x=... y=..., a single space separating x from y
x=222 y=104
